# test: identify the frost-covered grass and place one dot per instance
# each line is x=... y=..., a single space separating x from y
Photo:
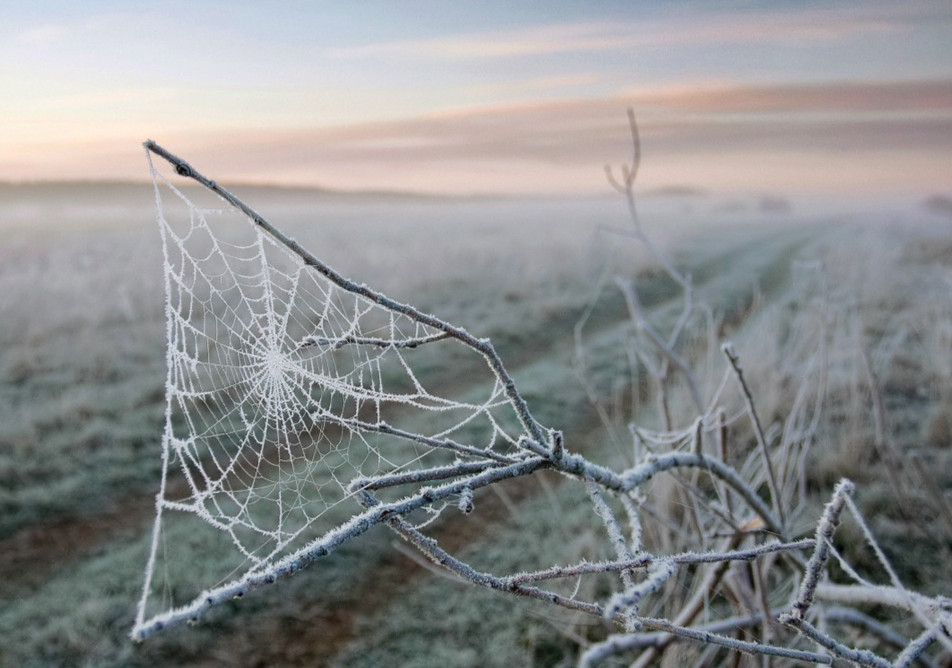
x=82 y=378
x=80 y=371
x=82 y=374
x=881 y=299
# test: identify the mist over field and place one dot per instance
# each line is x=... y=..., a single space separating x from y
x=82 y=378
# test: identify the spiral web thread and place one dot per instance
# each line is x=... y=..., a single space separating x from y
x=286 y=394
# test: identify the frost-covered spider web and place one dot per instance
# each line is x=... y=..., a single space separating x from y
x=287 y=392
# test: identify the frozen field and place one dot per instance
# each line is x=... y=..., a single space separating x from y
x=82 y=377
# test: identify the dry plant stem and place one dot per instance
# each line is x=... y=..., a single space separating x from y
x=868 y=624
x=506 y=500
x=424 y=475
x=662 y=379
x=796 y=617
x=688 y=489
x=642 y=561
x=635 y=641
x=705 y=659
x=922 y=613
x=861 y=657
x=886 y=450
x=431 y=549
x=446 y=444
x=637 y=314
x=760 y=591
x=634 y=522
x=625 y=604
x=665 y=346
x=691 y=500
x=517 y=585
x=696 y=604
x=685 y=312
x=758 y=429
x=659 y=373
x=483 y=346
x=414 y=555
x=879 y=408
x=738 y=585
x=821 y=551
x=601 y=651
x=871 y=541
x=914 y=650
x=888 y=596
x=722 y=452
x=580 y=358
x=627 y=188
x=615 y=535
x=627 y=642
x=367 y=341
x=636 y=476
x=576 y=465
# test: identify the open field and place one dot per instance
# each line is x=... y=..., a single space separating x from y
x=81 y=407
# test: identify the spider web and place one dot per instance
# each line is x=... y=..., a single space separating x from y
x=286 y=393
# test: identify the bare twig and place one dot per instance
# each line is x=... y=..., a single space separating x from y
x=597 y=652
x=821 y=550
x=331 y=540
x=862 y=657
x=873 y=627
x=369 y=341
x=637 y=314
x=643 y=561
x=615 y=534
x=913 y=651
x=758 y=430
x=693 y=607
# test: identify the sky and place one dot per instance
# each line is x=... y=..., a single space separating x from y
x=838 y=98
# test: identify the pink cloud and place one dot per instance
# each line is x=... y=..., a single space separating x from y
x=872 y=96
x=875 y=135
x=801 y=26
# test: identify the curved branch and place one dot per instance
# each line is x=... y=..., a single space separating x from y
x=640 y=474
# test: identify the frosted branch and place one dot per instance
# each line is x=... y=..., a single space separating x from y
x=824 y=535
x=617 y=643
x=356 y=526
x=861 y=657
x=643 y=561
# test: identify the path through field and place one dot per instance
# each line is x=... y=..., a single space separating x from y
x=71 y=575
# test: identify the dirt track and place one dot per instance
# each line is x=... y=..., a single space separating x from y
x=309 y=629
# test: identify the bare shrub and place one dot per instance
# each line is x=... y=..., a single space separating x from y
x=713 y=546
